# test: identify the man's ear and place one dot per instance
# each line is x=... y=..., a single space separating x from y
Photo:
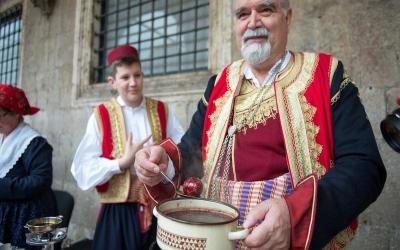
x=289 y=16
x=111 y=81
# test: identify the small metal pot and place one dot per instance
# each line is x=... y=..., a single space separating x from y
x=44 y=224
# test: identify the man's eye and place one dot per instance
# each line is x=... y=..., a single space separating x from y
x=266 y=11
x=241 y=15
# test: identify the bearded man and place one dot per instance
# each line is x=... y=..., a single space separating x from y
x=283 y=137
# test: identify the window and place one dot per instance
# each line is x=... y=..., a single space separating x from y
x=10 y=30
x=171 y=35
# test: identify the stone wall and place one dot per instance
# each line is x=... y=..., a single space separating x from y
x=363 y=34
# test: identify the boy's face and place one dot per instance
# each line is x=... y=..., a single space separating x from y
x=128 y=81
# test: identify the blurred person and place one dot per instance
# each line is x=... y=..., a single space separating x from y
x=26 y=171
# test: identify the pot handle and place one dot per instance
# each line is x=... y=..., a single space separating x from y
x=155 y=213
x=239 y=235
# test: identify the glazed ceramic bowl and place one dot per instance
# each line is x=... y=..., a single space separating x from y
x=197 y=224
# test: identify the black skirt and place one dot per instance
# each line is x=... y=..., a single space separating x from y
x=118 y=228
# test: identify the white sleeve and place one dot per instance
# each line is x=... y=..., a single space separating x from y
x=174 y=128
x=88 y=167
x=175 y=132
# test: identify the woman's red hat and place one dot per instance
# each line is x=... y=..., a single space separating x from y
x=14 y=99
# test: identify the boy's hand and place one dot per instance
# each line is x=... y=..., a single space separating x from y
x=130 y=150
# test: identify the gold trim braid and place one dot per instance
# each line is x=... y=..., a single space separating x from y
x=118 y=185
x=219 y=120
x=346 y=81
x=154 y=119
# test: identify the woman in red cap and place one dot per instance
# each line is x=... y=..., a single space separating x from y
x=25 y=169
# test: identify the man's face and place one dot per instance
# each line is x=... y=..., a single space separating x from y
x=262 y=28
x=128 y=81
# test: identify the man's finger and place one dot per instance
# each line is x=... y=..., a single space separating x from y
x=256 y=214
x=156 y=154
x=143 y=160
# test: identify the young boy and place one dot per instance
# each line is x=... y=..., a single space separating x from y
x=104 y=159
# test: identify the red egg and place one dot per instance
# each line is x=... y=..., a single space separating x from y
x=192 y=186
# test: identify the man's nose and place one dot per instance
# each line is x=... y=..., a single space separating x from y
x=254 y=20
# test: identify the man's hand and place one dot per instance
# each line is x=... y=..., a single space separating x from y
x=149 y=162
x=130 y=150
x=274 y=230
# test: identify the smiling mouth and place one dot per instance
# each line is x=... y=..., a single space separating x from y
x=255 y=38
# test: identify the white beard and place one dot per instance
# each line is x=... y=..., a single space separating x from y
x=255 y=53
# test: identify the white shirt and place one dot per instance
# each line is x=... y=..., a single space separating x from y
x=270 y=77
x=90 y=169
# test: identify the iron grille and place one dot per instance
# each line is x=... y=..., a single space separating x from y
x=171 y=35
x=10 y=30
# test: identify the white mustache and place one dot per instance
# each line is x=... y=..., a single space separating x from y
x=255 y=33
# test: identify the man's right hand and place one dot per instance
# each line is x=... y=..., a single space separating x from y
x=149 y=162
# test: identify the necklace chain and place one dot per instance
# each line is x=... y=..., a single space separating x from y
x=226 y=148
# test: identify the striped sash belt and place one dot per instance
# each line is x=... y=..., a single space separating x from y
x=245 y=195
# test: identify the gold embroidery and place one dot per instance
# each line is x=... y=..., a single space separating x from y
x=214 y=140
x=294 y=129
x=219 y=119
x=312 y=132
x=244 y=105
x=346 y=81
x=341 y=239
x=332 y=68
x=154 y=119
x=118 y=187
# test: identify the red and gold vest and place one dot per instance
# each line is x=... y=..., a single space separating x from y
x=302 y=95
x=111 y=123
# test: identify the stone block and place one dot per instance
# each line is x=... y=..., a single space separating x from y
x=373 y=100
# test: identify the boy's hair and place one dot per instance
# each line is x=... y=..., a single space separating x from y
x=127 y=60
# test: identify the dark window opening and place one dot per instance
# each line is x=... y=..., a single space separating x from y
x=10 y=31
x=171 y=35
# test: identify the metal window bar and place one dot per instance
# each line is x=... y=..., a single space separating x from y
x=10 y=30
x=169 y=47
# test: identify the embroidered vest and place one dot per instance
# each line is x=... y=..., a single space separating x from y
x=302 y=93
x=111 y=123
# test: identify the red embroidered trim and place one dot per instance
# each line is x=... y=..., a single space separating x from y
x=161 y=110
x=107 y=142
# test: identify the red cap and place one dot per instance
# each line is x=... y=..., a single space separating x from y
x=121 y=51
x=14 y=99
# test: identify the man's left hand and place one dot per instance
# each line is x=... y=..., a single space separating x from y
x=273 y=230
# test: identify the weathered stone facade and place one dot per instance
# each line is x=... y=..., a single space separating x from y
x=54 y=72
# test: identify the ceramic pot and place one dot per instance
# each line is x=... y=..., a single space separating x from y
x=197 y=224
